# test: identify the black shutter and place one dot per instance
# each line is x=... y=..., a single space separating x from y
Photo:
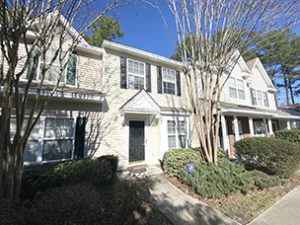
x=123 y=78
x=71 y=69
x=30 y=73
x=79 y=137
x=178 y=82
x=159 y=80
x=148 y=77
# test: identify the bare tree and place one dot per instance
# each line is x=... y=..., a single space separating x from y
x=29 y=29
x=209 y=33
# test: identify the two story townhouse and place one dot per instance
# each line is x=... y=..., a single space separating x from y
x=135 y=104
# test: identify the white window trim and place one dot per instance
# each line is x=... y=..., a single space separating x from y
x=53 y=139
x=133 y=74
x=237 y=89
x=164 y=131
x=162 y=83
x=42 y=139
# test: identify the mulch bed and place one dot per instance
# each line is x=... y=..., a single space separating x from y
x=243 y=207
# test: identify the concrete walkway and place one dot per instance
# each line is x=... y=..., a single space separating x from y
x=285 y=212
x=182 y=209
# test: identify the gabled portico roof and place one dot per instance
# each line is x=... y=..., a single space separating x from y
x=141 y=103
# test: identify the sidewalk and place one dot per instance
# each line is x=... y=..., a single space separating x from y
x=182 y=209
x=285 y=212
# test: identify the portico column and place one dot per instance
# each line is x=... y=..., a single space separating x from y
x=288 y=125
x=236 y=128
x=270 y=127
x=251 y=126
x=225 y=134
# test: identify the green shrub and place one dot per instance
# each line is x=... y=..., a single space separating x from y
x=38 y=178
x=215 y=181
x=270 y=155
x=225 y=178
x=12 y=213
x=262 y=180
x=81 y=204
x=289 y=135
x=177 y=159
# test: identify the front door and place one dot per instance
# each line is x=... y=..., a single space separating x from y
x=136 y=141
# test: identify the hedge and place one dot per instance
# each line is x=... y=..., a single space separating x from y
x=225 y=178
x=270 y=155
x=176 y=160
x=289 y=135
x=37 y=178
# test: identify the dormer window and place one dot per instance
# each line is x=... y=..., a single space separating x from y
x=236 y=88
x=169 y=81
x=135 y=74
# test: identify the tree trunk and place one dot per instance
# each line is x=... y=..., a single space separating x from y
x=291 y=91
x=286 y=86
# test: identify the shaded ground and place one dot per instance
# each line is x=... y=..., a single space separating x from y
x=182 y=209
x=240 y=207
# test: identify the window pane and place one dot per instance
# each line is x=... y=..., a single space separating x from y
x=253 y=93
x=30 y=153
x=135 y=67
x=135 y=82
x=266 y=101
x=59 y=128
x=259 y=98
x=52 y=151
x=240 y=84
x=231 y=81
x=259 y=127
x=242 y=94
x=57 y=149
x=182 y=141
x=172 y=142
x=232 y=93
x=181 y=127
x=171 y=127
x=169 y=75
x=169 y=88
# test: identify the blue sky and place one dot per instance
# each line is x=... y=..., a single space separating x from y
x=144 y=28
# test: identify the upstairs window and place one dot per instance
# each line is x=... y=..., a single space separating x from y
x=54 y=73
x=259 y=98
x=135 y=74
x=169 y=81
x=236 y=88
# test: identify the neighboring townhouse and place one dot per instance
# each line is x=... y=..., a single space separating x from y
x=249 y=106
x=134 y=104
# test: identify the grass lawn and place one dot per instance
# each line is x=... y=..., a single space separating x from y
x=244 y=207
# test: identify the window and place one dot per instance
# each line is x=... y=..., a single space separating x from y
x=30 y=153
x=135 y=75
x=254 y=99
x=259 y=98
x=266 y=100
x=236 y=88
x=176 y=134
x=58 y=138
x=259 y=127
x=169 y=81
x=53 y=73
